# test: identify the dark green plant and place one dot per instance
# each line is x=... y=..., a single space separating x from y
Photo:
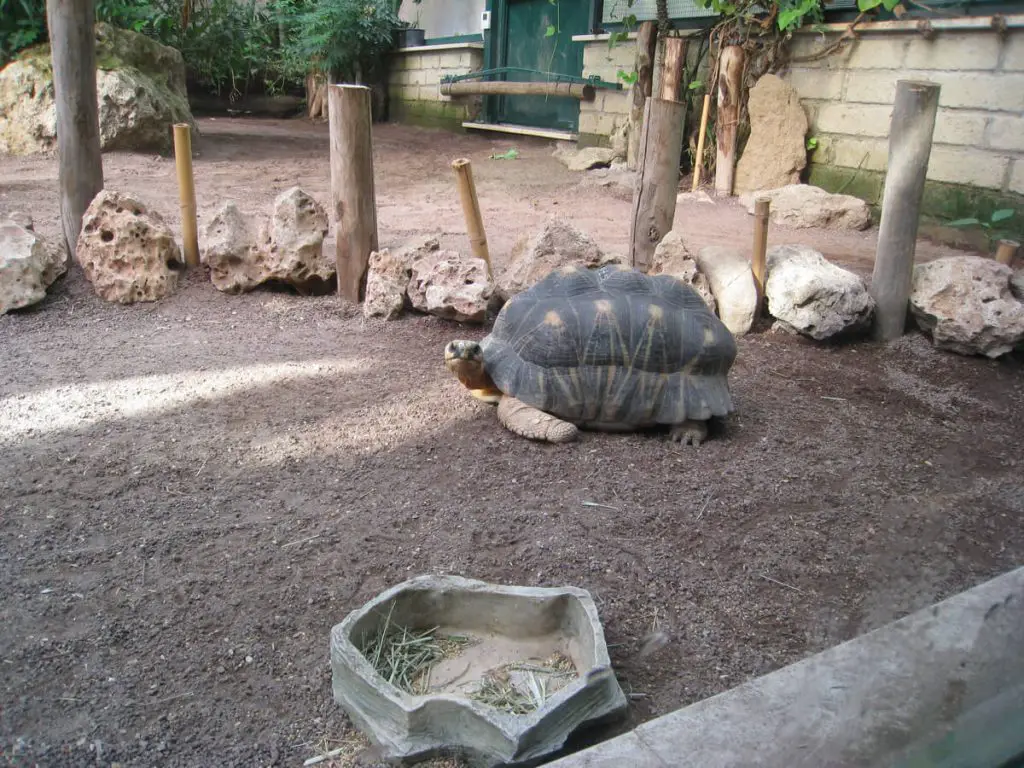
x=989 y=228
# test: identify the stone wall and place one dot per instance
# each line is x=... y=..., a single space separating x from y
x=413 y=84
x=978 y=144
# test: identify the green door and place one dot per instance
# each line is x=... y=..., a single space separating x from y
x=525 y=43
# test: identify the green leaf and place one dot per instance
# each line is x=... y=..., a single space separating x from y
x=511 y=154
x=812 y=143
x=787 y=17
x=1002 y=215
x=694 y=85
x=963 y=222
x=867 y=5
x=627 y=77
x=550 y=31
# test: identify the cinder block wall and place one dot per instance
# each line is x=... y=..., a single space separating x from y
x=415 y=74
x=609 y=111
x=979 y=131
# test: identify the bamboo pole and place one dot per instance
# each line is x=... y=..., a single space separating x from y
x=672 y=65
x=910 y=144
x=80 y=167
x=353 y=197
x=762 y=209
x=581 y=91
x=471 y=210
x=186 y=192
x=657 y=179
x=1006 y=251
x=698 y=161
x=727 y=120
x=646 y=47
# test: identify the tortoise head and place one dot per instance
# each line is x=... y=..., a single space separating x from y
x=466 y=360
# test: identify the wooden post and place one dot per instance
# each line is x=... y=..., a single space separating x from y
x=762 y=209
x=471 y=210
x=657 y=179
x=186 y=192
x=581 y=91
x=1006 y=251
x=353 y=198
x=73 y=52
x=727 y=121
x=646 y=47
x=910 y=144
x=698 y=161
x=672 y=66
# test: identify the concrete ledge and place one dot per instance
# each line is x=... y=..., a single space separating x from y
x=947 y=679
x=439 y=47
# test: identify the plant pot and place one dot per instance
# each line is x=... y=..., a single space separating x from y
x=410 y=37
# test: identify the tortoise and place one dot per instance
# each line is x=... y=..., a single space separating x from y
x=610 y=349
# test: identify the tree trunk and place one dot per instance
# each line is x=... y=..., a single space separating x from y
x=727 y=121
x=646 y=46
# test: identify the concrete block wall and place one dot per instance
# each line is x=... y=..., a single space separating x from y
x=979 y=131
x=609 y=111
x=414 y=79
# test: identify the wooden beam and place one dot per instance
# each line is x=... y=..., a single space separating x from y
x=657 y=179
x=646 y=47
x=672 y=67
x=910 y=145
x=186 y=192
x=581 y=91
x=471 y=210
x=1006 y=251
x=354 y=204
x=727 y=121
x=80 y=167
x=698 y=160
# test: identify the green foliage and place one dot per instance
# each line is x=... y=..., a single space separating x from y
x=867 y=5
x=22 y=23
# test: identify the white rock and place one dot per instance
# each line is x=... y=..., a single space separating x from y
x=803 y=206
x=228 y=241
x=558 y=244
x=1017 y=284
x=671 y=257
x=813 y=297
x=29 y=264
x=387 y=279
x=450 y=285
x=126 y=250
x=586 y=158
x=965 y=304
x=732 y=283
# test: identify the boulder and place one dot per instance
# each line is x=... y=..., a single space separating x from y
x=802 y=206
x=286 y=249
x=450 y=285
x=810 y=296
x=965 y=304
x=558 y=244
x=1017 y=284
x=387 y=279
x=775 y=153
x=585 y=159
x=140 y=88
x=732 y=283
x=671 y=257
x=126 y=250
x=29 y=264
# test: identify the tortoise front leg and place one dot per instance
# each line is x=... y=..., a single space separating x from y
x=533 y=424
x=693 y=432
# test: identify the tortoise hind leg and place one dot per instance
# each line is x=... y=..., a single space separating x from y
x=690 y=431
x=533 y=424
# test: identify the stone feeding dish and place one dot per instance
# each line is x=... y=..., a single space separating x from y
x=501 y=675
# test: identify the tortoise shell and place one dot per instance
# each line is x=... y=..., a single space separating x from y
x=612 y=347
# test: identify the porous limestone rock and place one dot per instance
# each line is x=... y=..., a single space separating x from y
x=776 y=152
x=671 y=257
x=965 y=304
x=387 y=278
x=732 y=283
x=126 y=250
x=586 y=158
x=811 y=296
x=29 y=263
x=558 y=244
x=1017 y=284
x=803 y=206
x=140 y=87
x=451 y=285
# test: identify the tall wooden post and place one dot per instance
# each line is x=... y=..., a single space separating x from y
x=910 y=144
x=186 y=192
x=672 y=67
x=759 y=266
x=698 y=160
x=71 y=25
x=646 y=46
x=657 y=178
x=471 y=210
x=1006 y=251
x=353 y=198
x=730 y=85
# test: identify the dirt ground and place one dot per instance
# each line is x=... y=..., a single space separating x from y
x=194 y=492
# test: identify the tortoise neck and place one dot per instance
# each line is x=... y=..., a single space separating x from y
x=475 y=378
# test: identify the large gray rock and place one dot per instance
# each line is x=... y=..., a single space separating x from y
x=1017 y=284
x=508 y=624
x=732 y=283
x=803 y=206
x=586 y=158
x=558 y=244
x=450 y=285
x=140 y=88
x=965 y=304
x=775 y=153
x=387 y=278
x=126 y=250
x=287 y=248
x=813 y=297
x=29 y=264
x=671 y=257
